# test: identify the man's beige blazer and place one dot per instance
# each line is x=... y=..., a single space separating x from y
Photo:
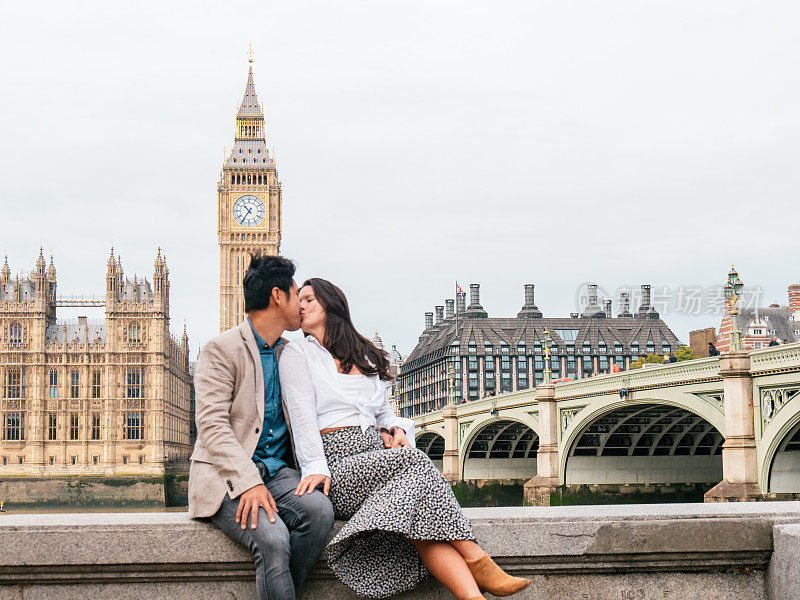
x=229 y=411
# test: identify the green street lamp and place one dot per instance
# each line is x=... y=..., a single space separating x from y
x=733 y=293
x=547 y=340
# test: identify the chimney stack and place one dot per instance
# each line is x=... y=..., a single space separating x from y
x=794 y=297
x=439 y=314
x=593 y=309
x=428 y=321
x=461 y=302
x=449 y=308
x=645 y=309
x=529 y=309
x=475 y=310
x=625 y=304
x=474 y=294
x=607 y=308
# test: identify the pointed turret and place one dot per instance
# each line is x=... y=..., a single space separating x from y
x=41 y=264
x=39 y=278
x=184 y=338
x=51 y=279
x=5 y=272
x=51 y=270
x=250 y=106
x=160 y=273
x=112 y=279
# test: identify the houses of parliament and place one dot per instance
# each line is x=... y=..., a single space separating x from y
x=112 y=396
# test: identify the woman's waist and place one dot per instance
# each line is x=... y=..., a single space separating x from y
x=345 y=418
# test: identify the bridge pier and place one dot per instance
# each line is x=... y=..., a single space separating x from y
x=538 y=490
x=450 y=467
x=739 y=456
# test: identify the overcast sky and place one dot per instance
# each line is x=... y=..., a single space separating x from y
x=418 y=143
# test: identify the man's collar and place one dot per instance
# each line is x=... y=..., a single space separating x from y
x=259 y=340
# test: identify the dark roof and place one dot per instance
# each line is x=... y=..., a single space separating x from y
x=778 y=320
x=511 y=331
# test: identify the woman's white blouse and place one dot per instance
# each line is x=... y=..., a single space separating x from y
x=317 y=396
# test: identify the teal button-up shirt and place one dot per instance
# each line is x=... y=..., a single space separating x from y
x=274 y=441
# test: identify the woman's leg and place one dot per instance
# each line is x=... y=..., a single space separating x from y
x=485 y=571
x=448 y=566
x=468 y=549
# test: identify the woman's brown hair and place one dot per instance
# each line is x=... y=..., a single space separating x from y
x=342 y=340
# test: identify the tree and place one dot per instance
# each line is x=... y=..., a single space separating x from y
x=684 y=353
x=649 y=359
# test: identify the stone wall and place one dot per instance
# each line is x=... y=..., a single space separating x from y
x=499 y=468
x=643 y=469
x=686 y=551
x=785 y=475
x=170 y=489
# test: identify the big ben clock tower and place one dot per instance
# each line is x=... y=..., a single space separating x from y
x=249 y=206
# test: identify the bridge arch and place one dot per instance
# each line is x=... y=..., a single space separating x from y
x=499 y=448
x=781 y=459
x=432 y=444
x=648 y=441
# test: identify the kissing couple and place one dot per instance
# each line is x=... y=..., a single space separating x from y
x=291 y=434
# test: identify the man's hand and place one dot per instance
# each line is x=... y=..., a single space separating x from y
x=309 y=484
x=250 y=501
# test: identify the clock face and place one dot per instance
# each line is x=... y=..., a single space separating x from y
x=248 y=211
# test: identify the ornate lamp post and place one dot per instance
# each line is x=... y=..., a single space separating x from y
x=546 y=374
x=451 y=384
x=733 y=293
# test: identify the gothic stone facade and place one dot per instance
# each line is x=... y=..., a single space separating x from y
x=82 y=397
x=485 y=356
x=249 y=206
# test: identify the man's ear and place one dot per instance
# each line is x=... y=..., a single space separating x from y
x=278 y=297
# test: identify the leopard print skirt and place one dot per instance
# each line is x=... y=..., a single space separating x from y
x=388 y=497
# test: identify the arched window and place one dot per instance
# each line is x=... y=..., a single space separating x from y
x=134 y=333
x=233 y=178
x=248 y=179
x=15 y=334
x=259 y=180
x=238 y=178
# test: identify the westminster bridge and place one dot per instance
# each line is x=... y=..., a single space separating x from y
x=731 y=423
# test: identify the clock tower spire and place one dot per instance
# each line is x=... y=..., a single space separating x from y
x=249 y=205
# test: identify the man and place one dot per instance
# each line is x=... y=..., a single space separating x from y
x=242 y=474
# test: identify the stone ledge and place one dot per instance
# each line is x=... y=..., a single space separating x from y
x=568 y=551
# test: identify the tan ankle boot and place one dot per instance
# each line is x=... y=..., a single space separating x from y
x=491 y=578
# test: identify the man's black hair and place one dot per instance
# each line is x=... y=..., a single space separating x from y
x=264 y=274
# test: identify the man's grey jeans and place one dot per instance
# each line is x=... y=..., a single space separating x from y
x=285 y=550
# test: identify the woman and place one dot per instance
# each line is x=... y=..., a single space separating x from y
x=403 y=520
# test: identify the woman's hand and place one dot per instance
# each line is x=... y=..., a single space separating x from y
x=308 y=484
x=388 y=440
x=399 y=439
